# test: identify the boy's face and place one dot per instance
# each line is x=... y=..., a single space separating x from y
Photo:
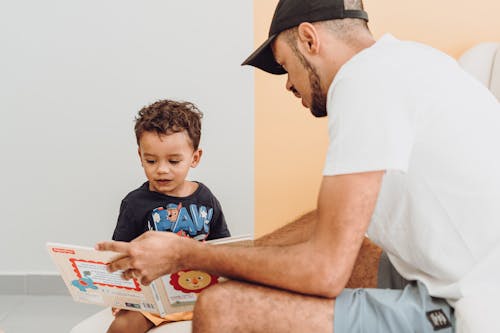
x=166 y=160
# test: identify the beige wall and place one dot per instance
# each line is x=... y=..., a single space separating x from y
x=290 y=144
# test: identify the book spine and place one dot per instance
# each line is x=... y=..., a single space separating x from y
x=156 y=295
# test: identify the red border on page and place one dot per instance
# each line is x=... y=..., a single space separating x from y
x=75 y=268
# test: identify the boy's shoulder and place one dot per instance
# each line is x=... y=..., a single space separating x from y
x=203 y=190
x=203 y=193
x=139 y=192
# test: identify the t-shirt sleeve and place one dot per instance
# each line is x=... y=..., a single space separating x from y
x=218 y=226
x=126 y=227
x=371 y=125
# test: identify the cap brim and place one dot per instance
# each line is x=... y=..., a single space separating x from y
x=263 y=58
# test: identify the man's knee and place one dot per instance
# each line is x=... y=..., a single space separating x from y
x=215 y=295
x=213 y=307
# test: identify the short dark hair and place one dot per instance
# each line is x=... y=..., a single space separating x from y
x=165 y=117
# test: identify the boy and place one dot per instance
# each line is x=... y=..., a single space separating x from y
x=168 y=134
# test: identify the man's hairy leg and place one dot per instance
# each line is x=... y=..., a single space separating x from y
x=242 y=307
x=364 y=274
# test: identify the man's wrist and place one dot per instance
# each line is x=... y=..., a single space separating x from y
x=189 y=255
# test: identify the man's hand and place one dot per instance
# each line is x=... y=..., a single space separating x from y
x=150 y=255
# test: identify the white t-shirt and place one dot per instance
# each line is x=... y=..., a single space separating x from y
x=411 y=110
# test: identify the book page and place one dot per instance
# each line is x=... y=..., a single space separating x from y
x=84 y=271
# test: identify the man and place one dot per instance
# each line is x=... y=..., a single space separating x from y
x=412 y=162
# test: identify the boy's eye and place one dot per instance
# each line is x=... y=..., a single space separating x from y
x=174 y=162
x=150 y=161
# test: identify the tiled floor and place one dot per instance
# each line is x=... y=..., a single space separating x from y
x=29 y=313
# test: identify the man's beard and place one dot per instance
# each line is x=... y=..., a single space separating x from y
x=318 y=99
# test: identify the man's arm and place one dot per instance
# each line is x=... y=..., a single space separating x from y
x=297 y=231
x=320 y=265
x=365 y=271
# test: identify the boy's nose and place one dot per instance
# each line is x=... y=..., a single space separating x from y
x=163 y=167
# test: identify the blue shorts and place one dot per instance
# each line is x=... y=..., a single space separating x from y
x=406 y=307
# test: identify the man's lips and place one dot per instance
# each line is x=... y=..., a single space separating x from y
x=296 y=94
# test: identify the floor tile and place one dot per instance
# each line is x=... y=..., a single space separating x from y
x=55 y=314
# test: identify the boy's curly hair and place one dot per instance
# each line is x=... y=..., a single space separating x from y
x=167 y=116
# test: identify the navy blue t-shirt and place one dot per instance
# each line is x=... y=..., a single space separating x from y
x=198 y=215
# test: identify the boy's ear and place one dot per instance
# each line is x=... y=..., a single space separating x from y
x=196 y=158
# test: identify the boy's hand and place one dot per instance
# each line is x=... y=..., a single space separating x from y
x=151 y=255
x=114 y=311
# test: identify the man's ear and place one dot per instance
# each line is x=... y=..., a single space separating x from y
x=196 y=158
x=308 y=37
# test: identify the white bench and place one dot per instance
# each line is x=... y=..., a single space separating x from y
x=100 y=322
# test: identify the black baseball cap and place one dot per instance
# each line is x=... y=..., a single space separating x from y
x=290 y=13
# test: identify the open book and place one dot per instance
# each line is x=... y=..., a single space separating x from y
x=84 y=271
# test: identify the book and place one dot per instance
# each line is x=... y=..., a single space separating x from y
x=84 y=271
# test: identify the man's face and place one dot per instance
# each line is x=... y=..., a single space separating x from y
x=303 y=79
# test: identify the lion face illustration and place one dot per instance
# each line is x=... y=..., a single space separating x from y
x=191 y=281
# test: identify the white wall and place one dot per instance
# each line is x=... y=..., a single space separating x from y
x=74 y=73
